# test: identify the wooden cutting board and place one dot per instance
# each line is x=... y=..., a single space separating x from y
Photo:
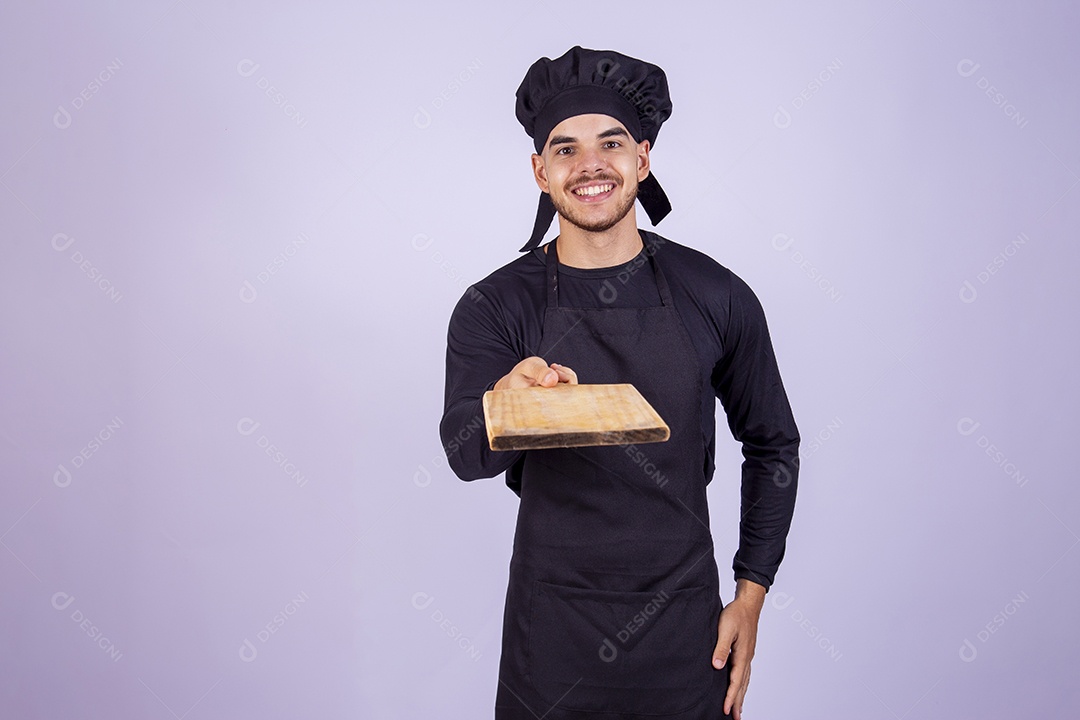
x=570 y=416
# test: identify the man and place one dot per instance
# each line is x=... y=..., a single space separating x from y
x=613 y=606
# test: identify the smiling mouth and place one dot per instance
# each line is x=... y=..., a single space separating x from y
x=594 y=191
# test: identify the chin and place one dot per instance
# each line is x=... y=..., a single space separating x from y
x=592 y=221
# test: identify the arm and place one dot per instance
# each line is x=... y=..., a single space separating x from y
x=737 y=637
x=478 y=351
x=747 y=381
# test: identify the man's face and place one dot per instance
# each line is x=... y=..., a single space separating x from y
x=591 y=167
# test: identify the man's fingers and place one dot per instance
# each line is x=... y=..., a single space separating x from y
x=547 y=378
x=534 y=371
x=740 y=696
x=738 y=682
x=566 y=375
x=736 y=686
x=534 y=368
x=725 y=636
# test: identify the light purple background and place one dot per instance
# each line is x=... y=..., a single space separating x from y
x=186 y=255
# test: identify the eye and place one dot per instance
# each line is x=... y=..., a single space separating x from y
x=613 y=143
x=560 y=150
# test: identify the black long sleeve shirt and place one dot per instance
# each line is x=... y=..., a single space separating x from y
x=499 y=320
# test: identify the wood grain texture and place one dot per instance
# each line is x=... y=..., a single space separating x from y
x=570 y=416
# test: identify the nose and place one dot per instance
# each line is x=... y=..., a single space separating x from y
x=591 y=160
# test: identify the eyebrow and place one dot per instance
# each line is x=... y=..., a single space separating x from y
x=566 y=139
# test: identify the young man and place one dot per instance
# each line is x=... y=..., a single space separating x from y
x=613 y=607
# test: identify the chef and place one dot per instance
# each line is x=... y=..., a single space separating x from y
x=613 y=608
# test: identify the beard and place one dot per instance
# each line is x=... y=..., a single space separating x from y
x=595 y=224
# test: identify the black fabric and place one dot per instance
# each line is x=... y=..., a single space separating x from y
x=653 y=198
x=545 y=211
x=583 y=81
x=583 y=100
x=613 y=599
x=499 y=321
x=633 y=91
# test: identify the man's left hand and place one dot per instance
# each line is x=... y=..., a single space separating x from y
x=736 y=638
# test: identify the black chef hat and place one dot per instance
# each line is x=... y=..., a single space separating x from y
x=583 y=81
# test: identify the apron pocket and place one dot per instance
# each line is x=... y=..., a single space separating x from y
x=607 y=651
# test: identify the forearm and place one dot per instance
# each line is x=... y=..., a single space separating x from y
x=465 y=441
x=769 y=484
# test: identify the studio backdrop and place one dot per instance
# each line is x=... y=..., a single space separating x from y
x=233 y=235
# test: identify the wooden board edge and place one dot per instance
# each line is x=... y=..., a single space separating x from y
x=580 y=439
x=486 y=402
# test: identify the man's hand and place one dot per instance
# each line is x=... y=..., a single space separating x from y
x=736 y=638
x=533 y=371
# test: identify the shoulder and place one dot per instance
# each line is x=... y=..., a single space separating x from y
x=516 y=281
x=513 y=285
x=689 y=267
x=528 y=266
x=706 y=282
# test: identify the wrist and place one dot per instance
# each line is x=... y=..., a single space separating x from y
x=750 y=593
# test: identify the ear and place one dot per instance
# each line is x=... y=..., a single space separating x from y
x=643 y=160
x=540 y=173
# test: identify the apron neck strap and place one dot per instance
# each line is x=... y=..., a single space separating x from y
x=651 y=246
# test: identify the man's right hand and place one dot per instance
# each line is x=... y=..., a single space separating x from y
x=535 y=371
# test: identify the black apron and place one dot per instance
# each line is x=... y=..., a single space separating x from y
x=613 y=599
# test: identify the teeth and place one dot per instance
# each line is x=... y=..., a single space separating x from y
x=594 y=190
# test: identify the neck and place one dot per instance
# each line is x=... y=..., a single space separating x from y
x=584 y=249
